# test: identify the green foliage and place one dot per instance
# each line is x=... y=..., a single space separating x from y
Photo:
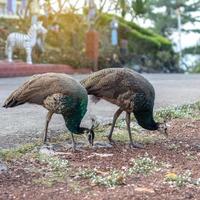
x=136 y=34
x=144 y=165
x=12 y=154
x=163 y=14
x=68 y=44
x=109 y=179
x=124 y=7
x=179 y=180
x=143 y=43
x=54 y=170
x=196 y=68
x=185 y=111
x=139 y=7
x=113 y=179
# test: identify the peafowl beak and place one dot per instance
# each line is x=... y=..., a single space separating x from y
x=91 y=132
x=91 y=137
x=163 y=128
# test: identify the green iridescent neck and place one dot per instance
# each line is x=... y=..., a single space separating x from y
x=73 y=118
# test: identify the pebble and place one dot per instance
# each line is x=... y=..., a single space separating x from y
x=47 y=150
x=3 y=167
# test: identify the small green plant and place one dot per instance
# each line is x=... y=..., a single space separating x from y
x=184 y=111
x=190 y=156
x=55 y=163
x=10 y=154
x=173 y=146
x=54 y=168
x=108 y=179
x=114 y=178
x=87 y=173
x=144 y=165
x=179 y=180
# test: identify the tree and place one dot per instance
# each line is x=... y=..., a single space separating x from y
x=163 y=14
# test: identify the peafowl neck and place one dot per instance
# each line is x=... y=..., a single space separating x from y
x=72 y=122
x=74 y=115
x=145 y=120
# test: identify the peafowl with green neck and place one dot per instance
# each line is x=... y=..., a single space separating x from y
x=58 y=93
x=128 y=90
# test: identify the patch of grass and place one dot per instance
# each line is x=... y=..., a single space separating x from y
x=182 y=179
x=87 y=173
x=178 y=180
x=61 y=137
x=184 y=111
x=12 y=154
x=190 y=156
x=108 y=179
x=120 y=132
x=50 y=181
x=173 y=146
x=55 y=163
x=144 y=165
x=114 y=178
x=54 y=170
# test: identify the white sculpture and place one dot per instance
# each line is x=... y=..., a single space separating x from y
x=26 y=41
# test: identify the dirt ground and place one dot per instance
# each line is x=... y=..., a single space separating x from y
x=172 y=173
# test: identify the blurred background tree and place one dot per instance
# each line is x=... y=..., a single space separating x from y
x=147 y=49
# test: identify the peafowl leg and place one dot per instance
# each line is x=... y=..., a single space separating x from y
x=128 y=121
x=49 y=115
x=116 y=115
x=73 y=143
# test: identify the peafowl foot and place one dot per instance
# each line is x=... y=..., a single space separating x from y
x=91 y=138
x=46 y=140
x=111 y=141
x=47 y=149
x=136 y=145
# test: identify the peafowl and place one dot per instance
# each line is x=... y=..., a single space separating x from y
x=58 y=93
x=128 y=90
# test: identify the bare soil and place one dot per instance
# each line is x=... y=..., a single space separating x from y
x=180 y=152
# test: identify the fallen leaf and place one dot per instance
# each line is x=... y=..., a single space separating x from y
x=144 y=189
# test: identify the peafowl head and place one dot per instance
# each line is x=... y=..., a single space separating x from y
x=89 y=131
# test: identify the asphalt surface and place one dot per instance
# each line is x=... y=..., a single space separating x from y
x=26 y=122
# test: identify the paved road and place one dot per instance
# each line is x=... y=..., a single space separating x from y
x=26 y=122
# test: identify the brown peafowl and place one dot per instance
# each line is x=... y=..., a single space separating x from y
x=128 y=90
x=58 y=93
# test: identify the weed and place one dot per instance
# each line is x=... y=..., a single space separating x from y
x=173 y=146
x=54 y=168
x=144 y=165
x=10 y=154
x=55 y=163
x=87 y=173
x=179 y=180
x=184 y=111
x=114 y=178
x=108 y=179
x=190 y=156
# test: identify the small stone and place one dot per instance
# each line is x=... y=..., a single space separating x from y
x=102 y=145
x=3 y=167
x=144 y=189
x=47 y=150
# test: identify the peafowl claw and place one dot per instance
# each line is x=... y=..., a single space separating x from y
x=136 y=145
x=91 y=137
